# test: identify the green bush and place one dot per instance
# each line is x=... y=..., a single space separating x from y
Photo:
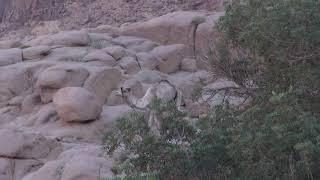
x=277 y=137
x=142 y=176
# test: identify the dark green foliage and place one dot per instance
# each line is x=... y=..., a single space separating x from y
x=277 y=141
x=283 y=38
x=277 y=137
x=143 y=176
x=181 y=152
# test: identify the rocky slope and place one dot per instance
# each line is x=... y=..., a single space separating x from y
x=21 y=17
x=58 y=92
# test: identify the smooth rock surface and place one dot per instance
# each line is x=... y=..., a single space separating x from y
x=76 y=104
x=54 y=78
x=35 y=52
x=10 y=56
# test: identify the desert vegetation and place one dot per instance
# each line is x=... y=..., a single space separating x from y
x=271 y=49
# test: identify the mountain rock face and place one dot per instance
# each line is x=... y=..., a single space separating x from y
x=25 y=17
x=59 y=92
x=20 y=11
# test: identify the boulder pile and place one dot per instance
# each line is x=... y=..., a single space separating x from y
x=59 y=91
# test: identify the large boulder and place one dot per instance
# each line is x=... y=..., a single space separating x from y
x=7 y=44
x=70 y=54
x=170 y=57
x=129 y=65
x=189 y=82
x=148 y=76
x=102 y=82
x=30 y=102
x=117 y=52
x=17 y=168
x=177 y=28
x=16 y=144
x=78 y=163
x=100 y=57
x=189 y=65
x=134 y=43
x=86 y=167
x=50 y=171
x=115 y=99
x=67 y=38
x=35 y=52
x=10 y=56
x=54 y=78
x=76 y=104
x=128 y=41
x=148 y=60
x=21 y=11
x=17 y=79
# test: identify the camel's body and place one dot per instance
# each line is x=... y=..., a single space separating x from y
x=144 y=102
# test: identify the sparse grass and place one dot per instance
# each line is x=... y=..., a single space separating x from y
x=142 y=176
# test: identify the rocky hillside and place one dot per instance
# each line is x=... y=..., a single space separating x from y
x=21 y=17
x=59 y=92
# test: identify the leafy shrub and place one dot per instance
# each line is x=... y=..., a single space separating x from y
x=143 y=176
x=277 y=137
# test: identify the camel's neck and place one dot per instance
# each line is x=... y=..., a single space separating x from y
x=143 y=102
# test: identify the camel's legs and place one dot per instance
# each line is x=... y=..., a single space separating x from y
x=154 y=123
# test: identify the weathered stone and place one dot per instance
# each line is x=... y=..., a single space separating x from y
x=100 y=41
x=84 y=167
x=148 y=61
x=105 y=29
x=16 y=80
x=100 y=58
x=128 y=41
x=7 y=44
x=117 y=52
x=148 y=76
x=115 y=99
x=20 y=145
x=69 y=54
x=29 y=103
x=130 y=65
x=146 y=46
x=76 y=104
x=67 y=38
x=16 y=101
x=78 y=163
x=103 y=82
x=177 y=28
x=54 y=78
x=35 y=52
x=43 y=115
x=10 y=56
x=170 y=57
x=189 y=65
x=17 y=168
x=50 y=171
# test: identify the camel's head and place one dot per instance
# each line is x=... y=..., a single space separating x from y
x=124 y=92
x=131 y=88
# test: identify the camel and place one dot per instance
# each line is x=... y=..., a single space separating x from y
x=151 y=94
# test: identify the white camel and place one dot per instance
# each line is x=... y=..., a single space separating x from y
x=153 y=92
